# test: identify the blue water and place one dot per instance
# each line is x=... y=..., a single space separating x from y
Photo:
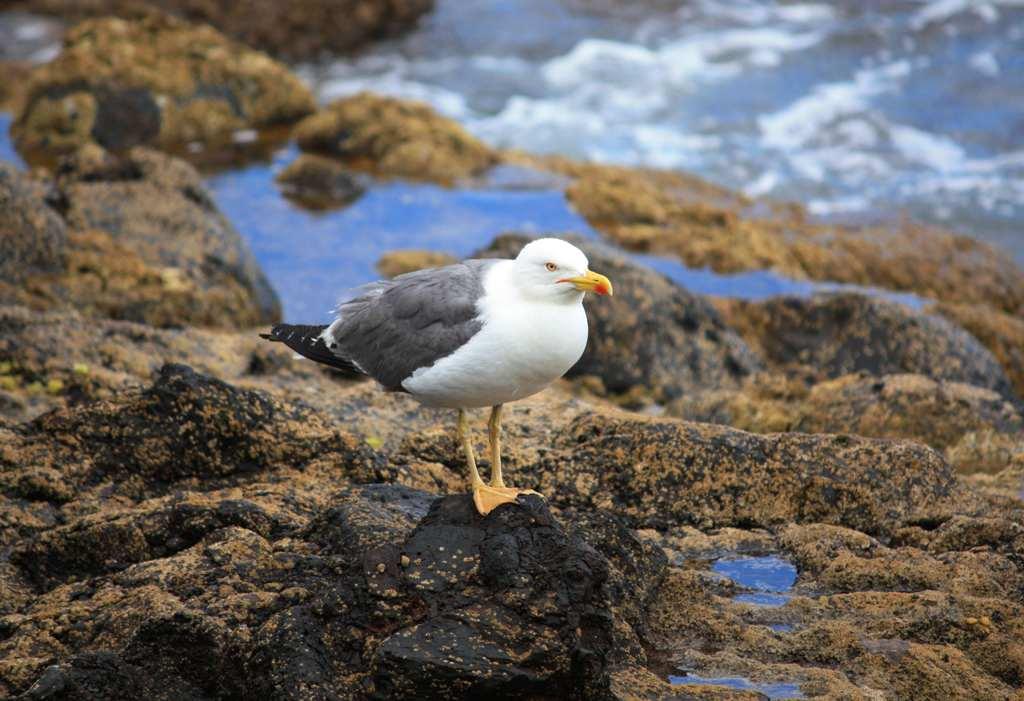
x=314 y=258
x=773 y=690
x=7 y=152
x=770 y=576
x=768 y=573
x=762 y=284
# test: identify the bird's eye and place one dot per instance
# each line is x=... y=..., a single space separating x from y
x=551 y=266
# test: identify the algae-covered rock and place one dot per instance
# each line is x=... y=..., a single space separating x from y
x=1001 y=333
x=32 y=235
x=652 y=334
x=169 y=534
x=296 y=30
x=395 y=263
x=185 y=426
x=394 y=137
x=13 y=76
x=661 y=472
x=838 y=334
x=131 y=237
x=153 y=80
x=948 y=416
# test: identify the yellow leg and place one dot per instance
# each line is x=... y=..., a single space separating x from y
x=467 y=447
x=487 y=497
x=494 y=433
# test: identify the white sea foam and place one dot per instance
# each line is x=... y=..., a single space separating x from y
x=940 y=11
x=813 y=101
x=984 y=62
x=803 y=121
x=930 y=150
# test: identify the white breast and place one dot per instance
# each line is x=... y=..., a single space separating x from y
x=523 y=347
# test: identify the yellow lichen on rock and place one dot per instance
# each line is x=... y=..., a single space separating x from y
x=395 y=137
x=395 y=263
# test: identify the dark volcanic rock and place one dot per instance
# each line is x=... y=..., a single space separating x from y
x=518 y=607
x=652 y=333
x=153 y=80
x=318 y=182
x=839 y=334
x=446 y=605
x=186 y=425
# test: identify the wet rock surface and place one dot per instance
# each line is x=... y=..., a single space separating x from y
x=295 y=31
x=132 y=237
x=394 y=138
x=153 y=80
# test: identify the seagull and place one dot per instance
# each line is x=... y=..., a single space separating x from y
x=480 y=333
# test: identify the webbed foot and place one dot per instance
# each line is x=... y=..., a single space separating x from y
x=488 y=498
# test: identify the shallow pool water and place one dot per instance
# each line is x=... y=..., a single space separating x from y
x=7 y=152
x=767 y=573
x=770 y=576
x=773 y=690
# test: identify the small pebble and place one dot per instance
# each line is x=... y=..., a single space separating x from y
x=985 y=621
x=381 y=567
x=405 y=560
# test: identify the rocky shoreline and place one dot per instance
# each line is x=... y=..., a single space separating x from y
x=187 y=511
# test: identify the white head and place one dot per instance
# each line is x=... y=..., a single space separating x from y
x=557 y=270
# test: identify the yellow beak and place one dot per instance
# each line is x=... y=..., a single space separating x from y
x=591 y=282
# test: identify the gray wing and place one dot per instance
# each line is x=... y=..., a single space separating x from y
x=397 y=326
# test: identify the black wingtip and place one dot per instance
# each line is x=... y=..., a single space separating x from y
x=306 y=340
